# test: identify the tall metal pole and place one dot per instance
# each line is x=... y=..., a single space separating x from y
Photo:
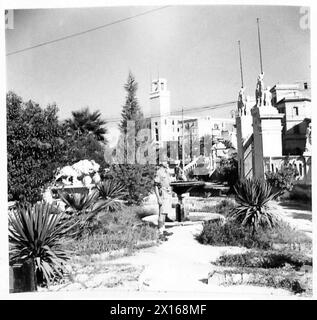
x=259 y=38
x=183 y=147
x=241 y=72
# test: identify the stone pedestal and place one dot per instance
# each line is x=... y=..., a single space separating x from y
x=267 y=132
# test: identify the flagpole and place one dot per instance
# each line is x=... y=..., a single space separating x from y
x=259 y=38
x=241 y=71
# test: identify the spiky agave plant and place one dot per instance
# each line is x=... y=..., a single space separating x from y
x=253 y=196
x=79 y=203
x=35 y=233
x=111 y=192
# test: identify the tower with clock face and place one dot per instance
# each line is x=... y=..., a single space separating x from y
x=160 y=111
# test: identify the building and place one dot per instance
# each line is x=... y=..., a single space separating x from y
x=168 y=133
x=274 y=131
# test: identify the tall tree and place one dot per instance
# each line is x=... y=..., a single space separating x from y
x=131 y=109
x=130 y=112
x=84 y=122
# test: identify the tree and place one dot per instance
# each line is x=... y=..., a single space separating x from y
x=84 y=122
x=130 y=112
x=35 y=148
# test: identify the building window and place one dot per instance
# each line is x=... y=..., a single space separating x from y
x=165 y=122
x=156 y=123
x=173 y=122
x=272 y=166
x=305 y=85
x=295 y=111
x=156 y=134
x=300 y=169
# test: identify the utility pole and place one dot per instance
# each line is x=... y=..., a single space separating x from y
x=183 y=147
x=259 y=38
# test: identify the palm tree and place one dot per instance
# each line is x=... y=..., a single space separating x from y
x=84 y=122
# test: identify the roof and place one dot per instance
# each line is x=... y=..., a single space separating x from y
x=293 y=100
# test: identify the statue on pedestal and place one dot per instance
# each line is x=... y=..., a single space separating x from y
x=267 y=97
x=259 y=89
x=242 y=100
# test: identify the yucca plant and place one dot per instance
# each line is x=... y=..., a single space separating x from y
x=34 y=233
x=77 y=202
x=253 y=196
x=111 y=192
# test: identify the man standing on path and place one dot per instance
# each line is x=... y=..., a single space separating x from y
x=163 y=194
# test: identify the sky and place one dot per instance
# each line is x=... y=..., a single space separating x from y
x=193 y=47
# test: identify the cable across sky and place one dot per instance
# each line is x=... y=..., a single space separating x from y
x=77 y=34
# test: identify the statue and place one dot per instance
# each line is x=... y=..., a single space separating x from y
x=259 y=89
x=308 y=140
x=267 y=97
x=242 y=102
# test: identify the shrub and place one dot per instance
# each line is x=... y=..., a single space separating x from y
x=234 y=234
x=111 y=191
x=228 y=171
x=225 y=206
x=252 y=196
x=138 y=180
x=79 y=203
x=283 y=179
x=35 y=233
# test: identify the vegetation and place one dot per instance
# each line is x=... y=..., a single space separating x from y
x=234 y=234
x=35 y=233
x=287 y=269
x=85 y=123
x=228 y=171
x=138 y=180
x=115 y=230
x=283 y=179
x=265 y=259
x=35 y=148
x=252 y=196
x=130 y=112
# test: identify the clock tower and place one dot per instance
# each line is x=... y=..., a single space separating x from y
x=160 y=110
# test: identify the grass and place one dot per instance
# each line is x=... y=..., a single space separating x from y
x=112 y=231
x=233 y=234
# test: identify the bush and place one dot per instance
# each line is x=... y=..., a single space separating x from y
x=283 y=180
x=138 y=180
x=228 y=171
x=234 y=234
x=225 y=206
x=35 y=233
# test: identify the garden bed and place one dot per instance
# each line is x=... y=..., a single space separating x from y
x=288 y=270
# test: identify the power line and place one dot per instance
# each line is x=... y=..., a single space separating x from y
x=86 y=31
x=179 y=112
